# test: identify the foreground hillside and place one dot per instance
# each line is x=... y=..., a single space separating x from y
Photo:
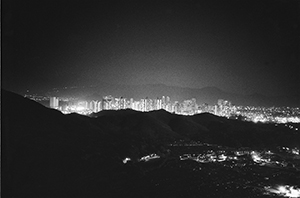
x=48 y=154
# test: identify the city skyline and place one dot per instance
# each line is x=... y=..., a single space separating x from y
x=238 y=46
x=187 y=107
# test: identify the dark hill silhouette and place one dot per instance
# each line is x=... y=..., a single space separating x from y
x=47 y=153
x=42 y=149
x=123 y=112
x=207 y=117
x=162 y=115
x=136 y=128
x=187 y=127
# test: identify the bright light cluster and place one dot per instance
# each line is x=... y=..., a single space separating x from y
x=127 y=159
x=149 y=157
x=223 y=108
x=206 y=158
x=287 y=119
x=144 y=158
x=256 y=157
x=284 y=190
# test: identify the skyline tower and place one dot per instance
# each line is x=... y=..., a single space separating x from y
x=54 y=102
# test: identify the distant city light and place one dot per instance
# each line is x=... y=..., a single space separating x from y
x=80 y=108
x=285 y=191
x=149 y=157
x=223 y=108
x=127 y=159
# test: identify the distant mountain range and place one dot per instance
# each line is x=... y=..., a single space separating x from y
x=209 y=95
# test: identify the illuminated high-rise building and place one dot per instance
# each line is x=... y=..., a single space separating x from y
x=136 y=105
x=168 y=100
x=107 y=102
x=99 y=106
x=216 y=110
x=131 y=103
x=176 y=107
x=93 y=106
x=123 y=103
x=54 y=102
x=116 y=104
x=143 y=105
x=159 y=103
x=194 y=106
x=163 y=102
x=149 y=104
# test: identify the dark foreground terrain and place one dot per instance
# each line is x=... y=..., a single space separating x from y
x=133 y=154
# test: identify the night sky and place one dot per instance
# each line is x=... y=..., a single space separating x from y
x=238 y=46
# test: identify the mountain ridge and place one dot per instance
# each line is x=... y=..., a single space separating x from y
x=209 y=95
x=45 y=152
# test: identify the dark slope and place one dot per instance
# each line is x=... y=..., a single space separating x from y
x=162 y=115
x=124 y=112
x=45 y=153
x=48 y=154
x=136 y=133
x=237 y=133
x=129 y=122
x=187 y=127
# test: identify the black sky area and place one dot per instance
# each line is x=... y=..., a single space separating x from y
x=238 y=46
